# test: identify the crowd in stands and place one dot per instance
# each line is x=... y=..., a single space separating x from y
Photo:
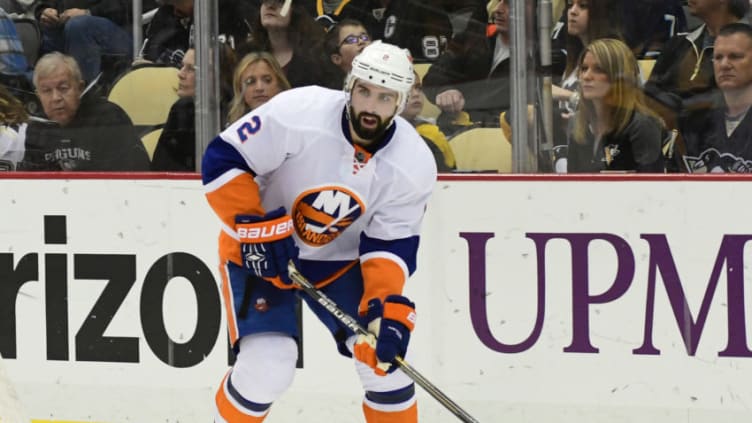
x=686 y=112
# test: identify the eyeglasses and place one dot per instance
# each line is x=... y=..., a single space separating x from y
x=354 y=39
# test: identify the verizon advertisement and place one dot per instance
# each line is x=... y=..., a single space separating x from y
x=603 y=299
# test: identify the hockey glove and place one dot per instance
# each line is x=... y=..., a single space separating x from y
x=389 y=325
x=266 y=245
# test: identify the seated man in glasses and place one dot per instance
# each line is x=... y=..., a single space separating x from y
x=84 y=131
x=342 y=43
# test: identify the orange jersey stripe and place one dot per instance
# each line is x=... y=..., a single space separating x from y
x=381 y=277
x=229 y=249
x=410 y=415
x=232 y=325
x=228 y=411
x=240 y=195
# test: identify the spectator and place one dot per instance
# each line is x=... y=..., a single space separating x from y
x=170 y=32
x=168 y=35
x=646 y=25
x=613 y=129
x=13 y=124
x=721 y=140
x=432 y=135
x=416 y=25
x=85 y=132
x=342 y=43
x=649 y=24
x=175 y=150
x=682 y=78
x=293 y=39
x=586 y=21
x=257 y=78
x=86 y=30
x=474 y=77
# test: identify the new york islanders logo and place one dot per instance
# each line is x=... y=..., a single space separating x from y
x=320 y=215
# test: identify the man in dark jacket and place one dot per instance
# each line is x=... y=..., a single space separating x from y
x=170 y=32
x=721 y=140
x=682 y=79
x=86 y=30
x=85 y=132
x=473 y=75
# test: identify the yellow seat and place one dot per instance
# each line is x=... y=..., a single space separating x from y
x=146 y=94
x=429 y=109
x=150 y=141
x=482 y=150
x=646 y=67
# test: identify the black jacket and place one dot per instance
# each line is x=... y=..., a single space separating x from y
x=636 y=148
x=101 y=137
x=486 y=96
x=168 y=36
x=418 y=26
x=682 y=78
x=176 y=148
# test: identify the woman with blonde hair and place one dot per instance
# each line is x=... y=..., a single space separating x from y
x=257 y=78
x=613 y=129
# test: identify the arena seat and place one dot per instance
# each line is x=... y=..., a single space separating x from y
x=150 y=141
x=646 y=67
x=146 y=94
x=482 y=150
x=30 y=37
x=429 y=109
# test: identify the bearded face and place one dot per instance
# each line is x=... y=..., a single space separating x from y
x=367 y=125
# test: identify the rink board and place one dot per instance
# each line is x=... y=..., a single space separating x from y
x=621 y=262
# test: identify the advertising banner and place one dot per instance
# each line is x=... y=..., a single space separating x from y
x=538 y=299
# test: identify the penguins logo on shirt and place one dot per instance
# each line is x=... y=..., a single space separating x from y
x=320 y=215
x=714 y=161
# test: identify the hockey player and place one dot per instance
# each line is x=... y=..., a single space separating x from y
x=337 y=182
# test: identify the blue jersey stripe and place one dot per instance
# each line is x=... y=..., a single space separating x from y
x=404 y=248
x=220 y=157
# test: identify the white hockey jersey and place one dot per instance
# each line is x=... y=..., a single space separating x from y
x=346 y=204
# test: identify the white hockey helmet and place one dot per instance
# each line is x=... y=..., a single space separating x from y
x=385 y=65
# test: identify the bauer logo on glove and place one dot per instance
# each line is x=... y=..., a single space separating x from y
x=266 y=245
x=266 y=231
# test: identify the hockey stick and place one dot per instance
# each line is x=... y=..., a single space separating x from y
x=353 y=324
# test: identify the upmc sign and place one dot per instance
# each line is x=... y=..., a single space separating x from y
x=555 y=299
x=662 y=267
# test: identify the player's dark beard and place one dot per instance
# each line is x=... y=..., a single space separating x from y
x=368 y=133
